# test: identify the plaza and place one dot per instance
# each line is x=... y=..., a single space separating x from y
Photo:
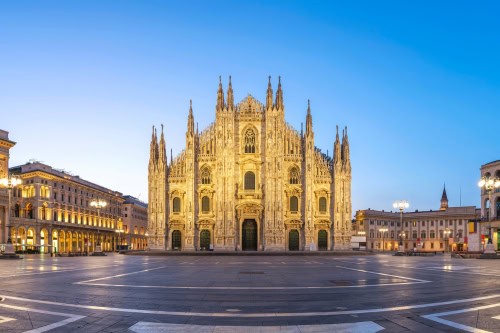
x=258 y=293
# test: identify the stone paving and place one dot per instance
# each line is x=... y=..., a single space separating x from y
x=379 y=293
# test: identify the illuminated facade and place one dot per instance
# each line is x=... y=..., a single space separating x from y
x=135 y=223
x=5 y=145
x=249 y=181
x=51 y=212
x=435 y=230
x=490 y=211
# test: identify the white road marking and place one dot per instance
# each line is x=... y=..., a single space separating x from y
x=361 y=327
x=437 y=318
x=5 y=319
x=119 y=275
x=245 y=288
x=56 y=271
x=384 y=274
x=254 y=315
x=71 y=318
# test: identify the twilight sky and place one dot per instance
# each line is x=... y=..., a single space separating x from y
x=417 y=84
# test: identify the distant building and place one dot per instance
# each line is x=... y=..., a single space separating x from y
x=439 y=230
x=5 y=145
x=135 y=223
x=490 y=211
x=51 y=211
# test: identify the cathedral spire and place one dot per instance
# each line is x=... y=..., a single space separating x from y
x=162 y=149
x=444 y=199
x=190 y=129
x=152 y=149
x=220 y=96
x=279 y=96
x=269 y=96
x=346 y=158
x=336 y=148
x=308 y=119
x=156 y=152
x=230 y=96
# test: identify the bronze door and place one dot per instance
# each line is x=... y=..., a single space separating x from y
x=205 y=240
x=322 y=240
x=293 y=240
x=176 y=240
x=249 y=235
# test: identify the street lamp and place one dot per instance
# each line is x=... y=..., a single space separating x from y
x=9 y=182
x=447 y=233
x=98 y=204
x=383 y=231
x=489 y=184
x=401 y=205
x=119 y=231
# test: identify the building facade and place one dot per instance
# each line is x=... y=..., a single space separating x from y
x=135 y=222
x=5 y=145
x=490 y=205
x=445 y=229
x=249 y=181
x=51 y=212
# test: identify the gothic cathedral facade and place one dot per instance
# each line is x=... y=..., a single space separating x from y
x=249 y=181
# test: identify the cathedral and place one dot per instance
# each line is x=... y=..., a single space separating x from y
x=249 y=182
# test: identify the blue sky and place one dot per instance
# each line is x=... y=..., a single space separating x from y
x=417 y=84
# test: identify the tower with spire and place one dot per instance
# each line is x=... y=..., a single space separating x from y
x=157 y=192
x=341 y=189
x=249 y=181
x=444 y=199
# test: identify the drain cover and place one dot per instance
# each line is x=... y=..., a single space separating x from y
x=341 y=282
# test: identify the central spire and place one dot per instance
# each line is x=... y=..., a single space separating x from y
x=309 y=122
x=190 y=129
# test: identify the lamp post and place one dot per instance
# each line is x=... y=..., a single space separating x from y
x=119 y=231
x=98 y=204
x=401 y=205
x=447 y=233
x=383 y=231
x=9 y=182
x=489 y=184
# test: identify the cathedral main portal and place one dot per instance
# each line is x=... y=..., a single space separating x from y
x=249 y=235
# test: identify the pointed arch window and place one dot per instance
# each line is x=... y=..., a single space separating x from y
x=294 y=175
x=249 y=181
x=176 y=205
x=249 y=141
x=294 y=204
x=205 y=204
x=205 y=176
x=322 y=205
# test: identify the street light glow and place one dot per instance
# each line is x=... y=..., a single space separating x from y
x=401 y=204
x=98 y=203
x=10 y=181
